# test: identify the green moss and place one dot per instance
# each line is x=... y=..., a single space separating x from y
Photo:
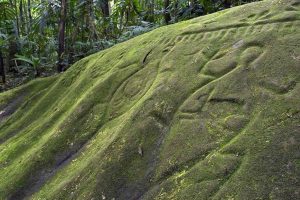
x=203 y=109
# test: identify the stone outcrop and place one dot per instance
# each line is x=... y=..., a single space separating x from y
x=204 y=109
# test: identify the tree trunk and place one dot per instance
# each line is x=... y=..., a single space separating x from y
x=21 y=13
x=13 y=43
x=23 y=17
x=151 y=11
x=227 y=4
x=167 y=16
x=43 y=18
x=104 y=8
x=16 y=22
x=2 y=68
x=61 y=35
x=90 y=19
x=175 y=11
x=26 y=21
x=29 y=13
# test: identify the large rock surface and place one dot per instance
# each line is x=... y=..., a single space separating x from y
x=204 y=109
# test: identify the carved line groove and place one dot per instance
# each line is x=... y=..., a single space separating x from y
x=232 y=30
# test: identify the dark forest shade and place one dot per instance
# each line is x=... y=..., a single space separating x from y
x=61 y=35
x=2 y=69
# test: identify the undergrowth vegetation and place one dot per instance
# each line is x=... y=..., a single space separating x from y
x=43 y=37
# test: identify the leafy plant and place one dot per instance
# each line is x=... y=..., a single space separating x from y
x=32 y=61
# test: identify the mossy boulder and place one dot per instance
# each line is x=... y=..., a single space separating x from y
x=204 y=109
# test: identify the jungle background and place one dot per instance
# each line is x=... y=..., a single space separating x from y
x=43 y=37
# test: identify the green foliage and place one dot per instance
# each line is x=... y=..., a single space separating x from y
x=32 y=61
x=7 y=15
x=30 y=27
